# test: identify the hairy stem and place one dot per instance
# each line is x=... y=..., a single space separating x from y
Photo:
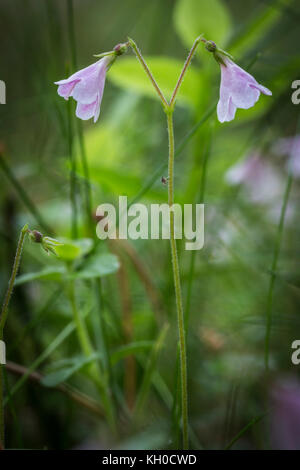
x=180 y=315
x=147 y=70
x=169 y=109
x=185 y=67
x=3 y=318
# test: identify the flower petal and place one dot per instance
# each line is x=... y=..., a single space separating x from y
x=86 y=110
x=262 y=89
x=226 y=109
x=65 y=89
x=91 y=85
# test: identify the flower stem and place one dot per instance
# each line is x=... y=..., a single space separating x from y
x=274 y=267
x=4 y=311
x=169 y=109
x=185 y=67
x=3 y=318
x=147 y=70
x=180 y=315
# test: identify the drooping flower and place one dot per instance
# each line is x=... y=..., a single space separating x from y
x=238 y=89
x=290 y=146
x=86 y=87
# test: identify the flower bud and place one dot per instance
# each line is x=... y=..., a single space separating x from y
x=36 y=236
x=48 y=243
x=211 y=46
x=120 y=49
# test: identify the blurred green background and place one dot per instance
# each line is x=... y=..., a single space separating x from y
x=225 y=285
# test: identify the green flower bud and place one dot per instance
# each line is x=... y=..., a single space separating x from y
x=48 y=243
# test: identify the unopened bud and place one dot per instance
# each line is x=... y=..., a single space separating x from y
x=35 y=236
x=211 y=46
x=120 y=48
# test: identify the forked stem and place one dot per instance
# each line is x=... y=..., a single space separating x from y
x=169 y=110
x=185 y=67
x=147 y=70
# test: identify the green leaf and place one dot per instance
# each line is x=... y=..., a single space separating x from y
x=62 y=375
x=129 y=349
x=129 y=74
x=73 y=249
x=46 y=274
x=58 y=340
x=97 y=265
x=208 y=17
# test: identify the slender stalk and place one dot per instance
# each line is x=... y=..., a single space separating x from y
x=4 y=310
x=86 y=174
x=3 y=318
x=148 y=72
x=274 y=267
x=180 y=315
x=245 y=429
x=88 y=350
x=185 y=67
x=82 y=332
x=169 y=109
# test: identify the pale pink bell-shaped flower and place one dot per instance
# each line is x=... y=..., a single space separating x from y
x=238 y=89
x=86 y=87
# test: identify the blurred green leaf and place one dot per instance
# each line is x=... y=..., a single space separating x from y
x=194 y=17
x=129 y=74
x=46 y=274
x=97 y=265
x=62 y=375
x=72 y=249
x=129 y=349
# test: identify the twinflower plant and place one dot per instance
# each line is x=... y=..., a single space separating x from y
x=238 y=90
